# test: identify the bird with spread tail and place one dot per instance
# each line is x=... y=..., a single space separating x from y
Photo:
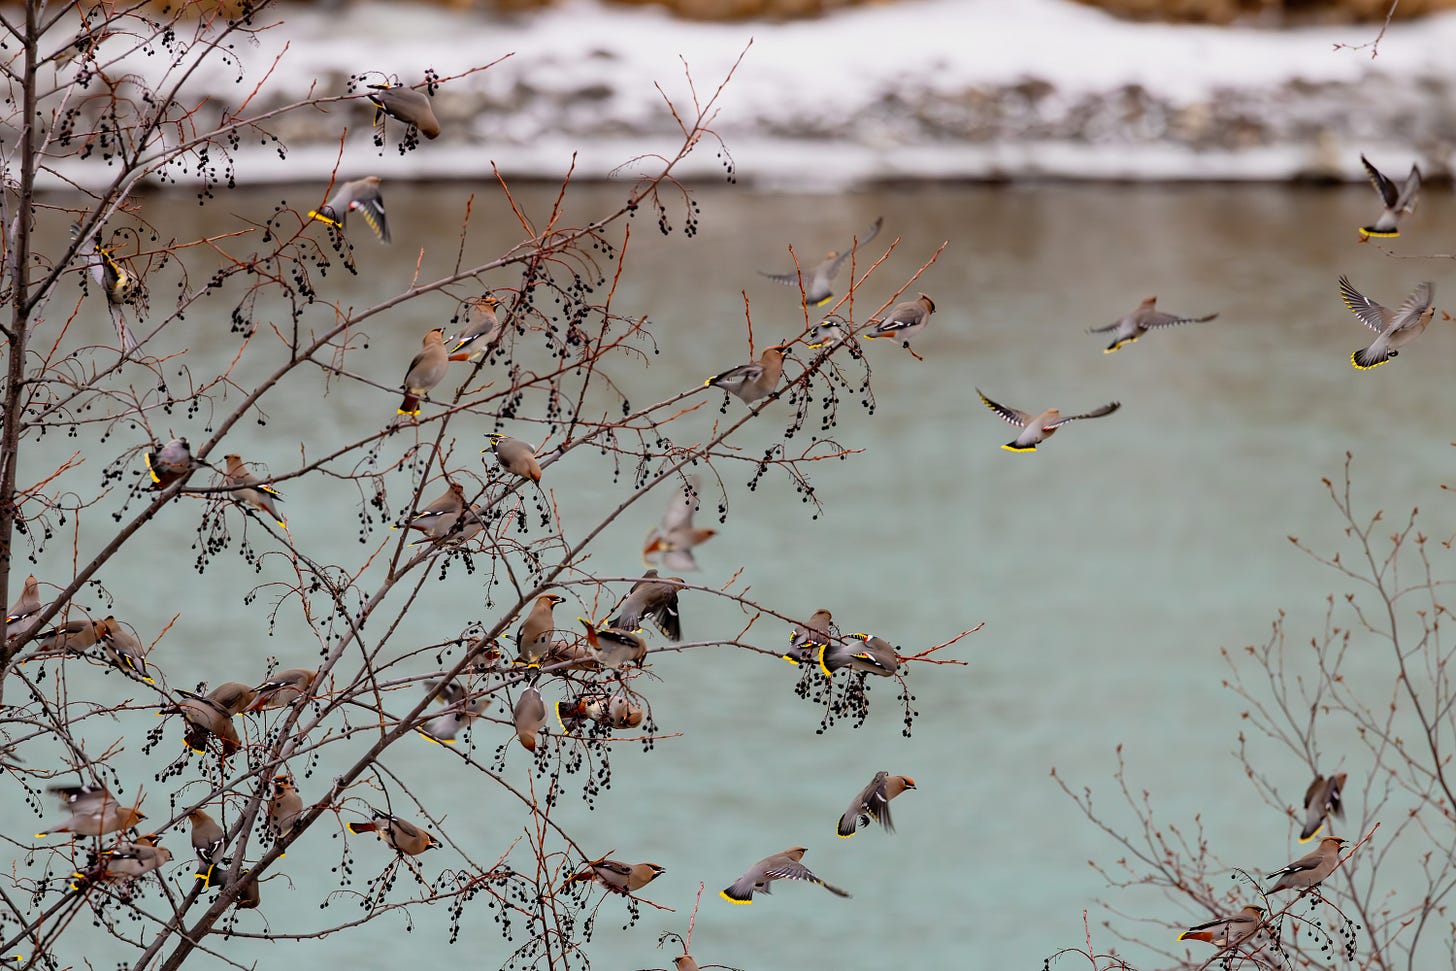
x=361 y=196
x=904 y=322
x=1397 y=202
x=672 y=542
x=619 y=877
x=1037 y=428
x=1139 y=321
x=94 y=811
x=871 y=655
x=405 y=104
x=426 y=369
x=1227 y=931
x=818 y=288
x=873 y=802
x=405 y=837
x=780 y=866
x=652 y=598
x=1394 y=328
x=1311 y=870
x=250 y=490
x=756 y=379
x=1321 y=800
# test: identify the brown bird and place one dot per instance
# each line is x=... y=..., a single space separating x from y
x=1311 y=870
x=1226 y=931
x=780 y=866
x=530 y=717
x=672 y=542
x=904 y=322
x=516 y=457
x=233 y=696
x=533 y=639
x=404 y=837
x=1138 y=322
x=622 y=712
x=123 y=649
x=283 y=690
x=1036 y=429
x=623 y=878
x=447 y=518
x=612 y=647
x=124 y=862
x=655 y=599
x=873 y=802
x=806 y=640
x=284 y=807
x=168 y=463
x=426 y=369
x=205 y=718
x=361 y=196
x=250 y=895
x=94 y=812
x=1320 y=800
x=407 y=104
x=756 y=379
x=208 y=839
x=72 y=637
x=19 y=619
x=872 y=655
x=250 y=490
x=684 y=962
x=481 y=331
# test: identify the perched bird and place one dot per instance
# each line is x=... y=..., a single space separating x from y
x=249 y=895
x=481 y=331
x=207 y=842
x=623 y=878
x=361 y=196
x=284 y=807
x=673 y=541
x=756 y=379
x=426 y=369
x=533 y=639
x=94 y=812
x=516 y=457
x=233 y=696
x=1320 y=800
x=456 y=715
x=780 y=866
x=250 y=490
x=404 y=837
x=440 y=514
x=684 y=962
x=872 y=655
x=873 y=802
x=123 y=649
x=1395 y=328
x=623 y=712
x=1396 y=201
x=612 y=647
x=529 y=716
x=806 y=640
x=283 y=690
x=904 y=322
x=654 y=599
x=170 y=462
x=817 y=288
x=1226 y=931
x=205 y=718
x=1138 y=322
x=1038 y=428
x=19 y=619
x=124 y=862
x=112 y=278
x=72 y=637
x=587 y=706
x=1310 y=870
x=827 y=333
x=407 y=104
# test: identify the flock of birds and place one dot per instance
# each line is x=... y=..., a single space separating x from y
x=451 y=519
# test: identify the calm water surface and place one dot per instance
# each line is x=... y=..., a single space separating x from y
x=1109 y=567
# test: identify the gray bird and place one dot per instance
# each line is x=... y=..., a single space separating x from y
x=123 y=649
x=806 y=640
x=72 y=637
x=817 y=286
x=873 y=802
x=458 y=712
x=516 y=457
x=1395 y=328
x=684 y=962
x=361 y=196
x=20 y=618
x=829 y=332
x=250 y=490
x=1227 y=931
x=529 y=716
x=426 y=369
x=756 y=379
x=870 y=654
x=208 y=839
x=124 y=862
x=406 y=104
x=904 y=322
x=654 y=599
x=1036 y=429
x=673 y=541
x=481 y=331
x=1309 y=871
x=1321 y=799
x=440 y=514
x=1135 y=324
x=168 y=463
x=780 y=866
x=401 y=835
x=1396 y=201
x=114 y=280
x=623 y=878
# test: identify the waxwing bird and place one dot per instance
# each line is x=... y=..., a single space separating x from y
x=612 y=647
x=1036 y=429
x=1395 y=328
x=283 y=690
x=756 y=379
x=870 y=654
x=482 y=329
x=205 y=718
x=114 y=280
x=673 y=541
x=426 y=369
x=684 y=962
x=232 y=696
x=1309 y=871
x=589 y=705
x=284 y=807
x=533 y=639
x=622 y=712
x=124 y=862
x=827 y=333
x=655 y=599
x=873 y=802
x=529 y=716
x=904 y=322
x=806 y=640
x=361 y=196
x=168 y=463
x=207 y=842
x=72 y=637
x=1396 y=201
x=458 y=712
x=1321 y=799
x=1226 y=931
x=252 y=491
x=440 y=514
x=250 y=896
x=123 y=649
x=780 y=866
x=94 y=812
x=405 y=837
x=1138 y=322
x=18 y=619
x=817 y=286
x=516 y=457
x=623 y=878
x=406 y=104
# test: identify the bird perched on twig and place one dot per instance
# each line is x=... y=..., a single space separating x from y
x=285 y=805
x=123 y=649
x=673 y=541
x=426 y=369
x=533 y=639
x=481 y=331
x=112 y=277
x=361 y=196
x=872 y=655
x=515 y=456
x=1311 y=870
x=205 y=718
x=94 y=811
x=406 y=104
x=1395 y=328
x=613 y=647
x=405 y=837
x=208 y=839
x=123 y=863
x=1039 y=427
x=250 y=490
x=529 y=717
x=806 y=640
x=904 y=322
x=780 y=866
x=623 y=878
x=817 y=286
x=873 y=802
x=1396 y=201
x=170 y=462
x=71 y=637
x=20 y=618
x=652 y=599
x=283 y=690
x=1321 y=799
x=456 y=715
x=1139 y=321
x=1227 y=931
x=756 y=379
